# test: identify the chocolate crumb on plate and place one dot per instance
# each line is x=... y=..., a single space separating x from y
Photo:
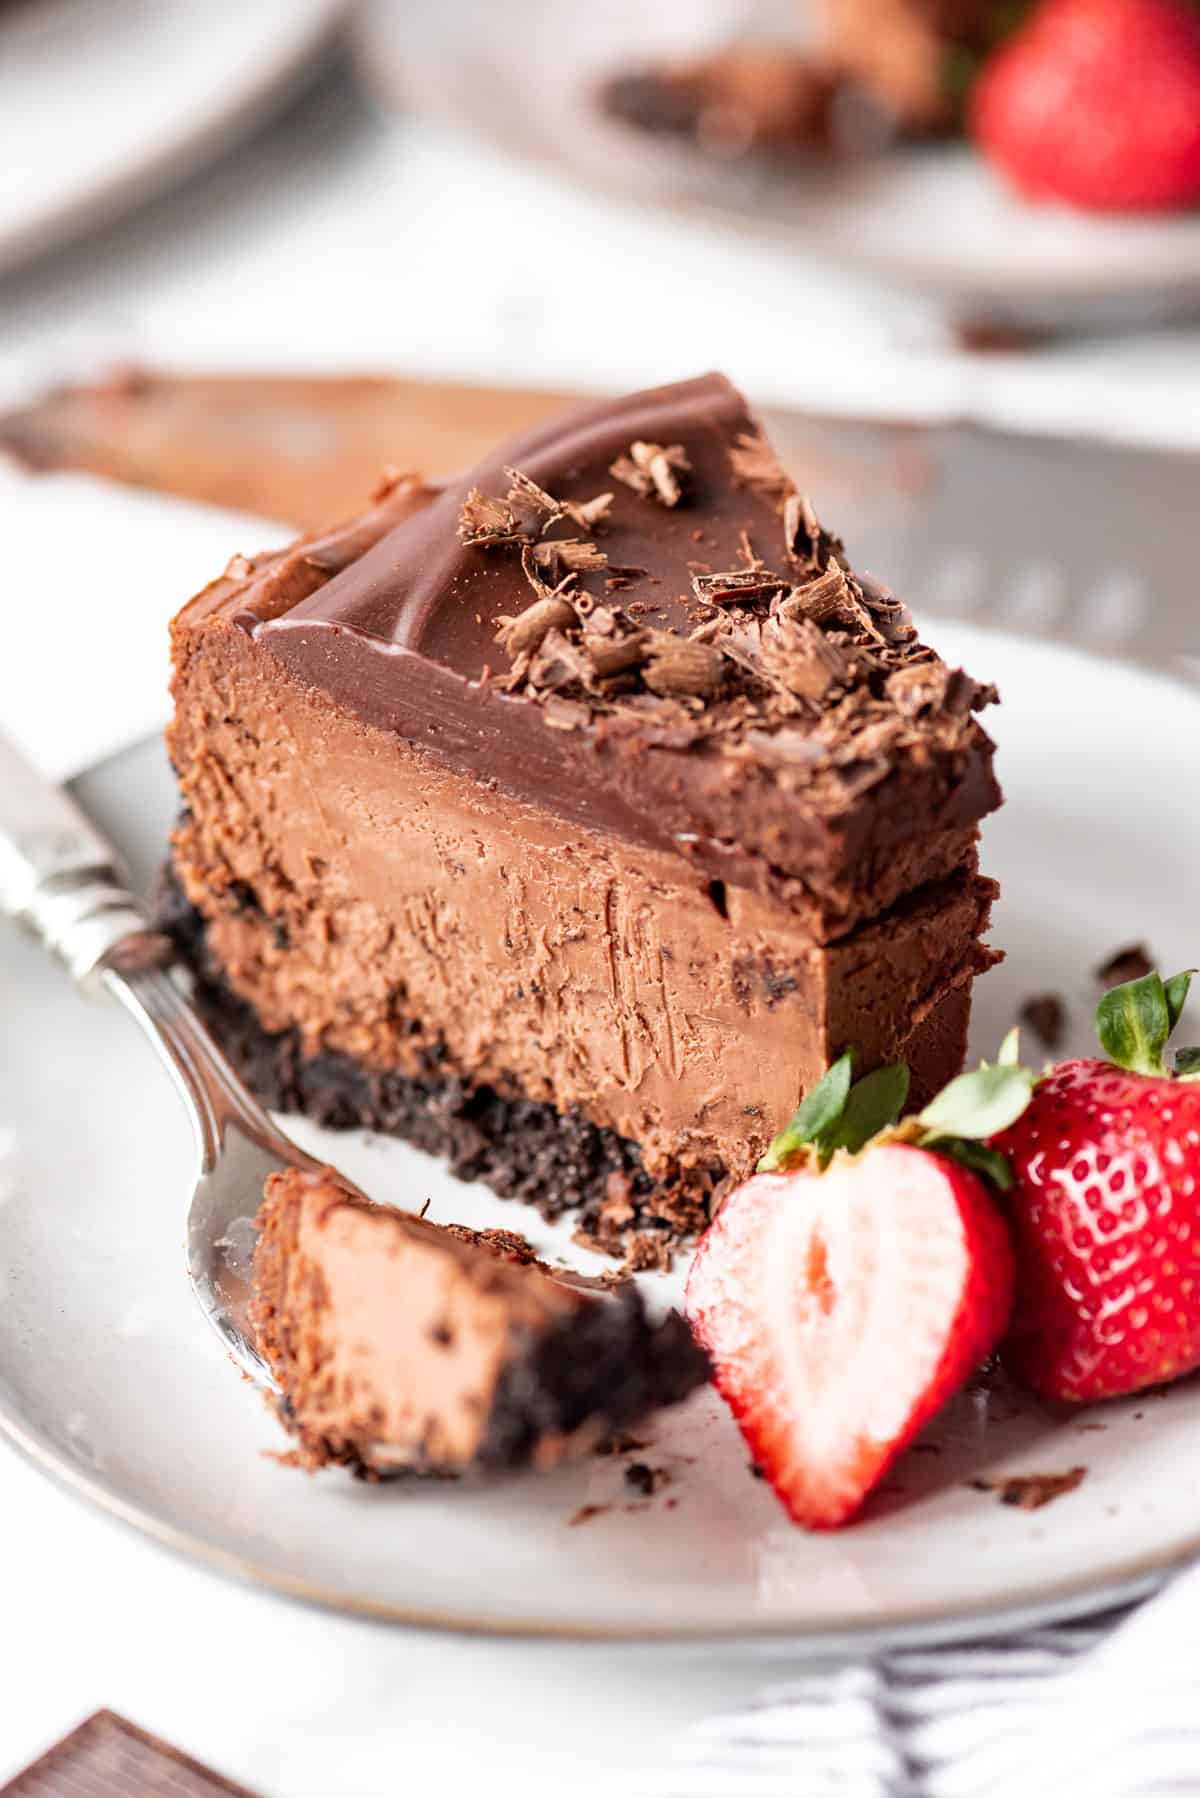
x=1046 y=1016
x=1030 y=1491
x=109 y=1757
x=585 y=1513
x=646 y=1479
x=1133 y=962
x=621 y=1445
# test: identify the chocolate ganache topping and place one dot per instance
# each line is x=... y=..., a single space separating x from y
x=632 y=617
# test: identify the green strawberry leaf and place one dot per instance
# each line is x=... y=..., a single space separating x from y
x=1187 y=1064
x=1133 y=1022
x=1009 y=1053
x=1176 y=991
x=874 y=1104
x=818 y=1111
x=977 y=1157
x=979 y=1104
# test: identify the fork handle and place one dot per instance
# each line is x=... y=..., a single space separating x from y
x=59 y=876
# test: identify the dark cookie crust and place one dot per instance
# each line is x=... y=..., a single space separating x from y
x=556 y=1161
x=610 y=1366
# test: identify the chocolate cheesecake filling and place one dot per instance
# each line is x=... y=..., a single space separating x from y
x=592 y=783
x=402 y=1345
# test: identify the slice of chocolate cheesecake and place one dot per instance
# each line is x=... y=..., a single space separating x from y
x=570 y=817
x=403 y=1344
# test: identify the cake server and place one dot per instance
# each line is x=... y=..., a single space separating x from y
x=60 y=877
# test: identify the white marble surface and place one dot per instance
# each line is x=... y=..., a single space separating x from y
x=298 y=1704
x=341 y=241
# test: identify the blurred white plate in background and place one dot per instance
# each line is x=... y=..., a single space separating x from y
x=103 y=100
x=931 y=217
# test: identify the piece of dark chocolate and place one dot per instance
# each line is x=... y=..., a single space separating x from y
x=109 y=1757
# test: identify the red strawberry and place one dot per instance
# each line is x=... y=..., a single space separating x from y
x=1097 y=103
x=841 y=1308
x=1106 y=1210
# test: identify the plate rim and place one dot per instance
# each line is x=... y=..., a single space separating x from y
x=1036 y=1604
x=1135 y=1579
x=1092 y=291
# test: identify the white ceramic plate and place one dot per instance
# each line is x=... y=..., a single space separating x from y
x=102 y=100
x=931 y=217
x=113 y=1381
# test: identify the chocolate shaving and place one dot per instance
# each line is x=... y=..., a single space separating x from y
x=524 y=634
x=619 y=578
x=802 y=534
x=964 y=695
x=485 y=521
x=677 y=666
x=612 y=655
x=738 y=586
x=917 y=690
x=799 y=655
x=755 y=464
x=891 y=615
x=654 y=471
x=568 y=555
x=1133 y=962
x=809 y=672
x=559 y=663
x=528 y=500
x=602 y=621
x=1030 y=1491
x=526 y=511
x=830 y=599
x=747 y=552
x=589 y=513
x=565 y=714
x=787 y=748
x=1046 y=1017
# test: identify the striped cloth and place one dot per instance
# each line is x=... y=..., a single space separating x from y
x=1108 y=1708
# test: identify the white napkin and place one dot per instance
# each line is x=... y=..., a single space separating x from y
x=91 y=576
x=1107 y=1708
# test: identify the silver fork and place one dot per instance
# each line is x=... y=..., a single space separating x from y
x=59 y=876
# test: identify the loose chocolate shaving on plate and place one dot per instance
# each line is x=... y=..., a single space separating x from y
x=1046 y=1016
x=1030 y=1491
x=1133 y=962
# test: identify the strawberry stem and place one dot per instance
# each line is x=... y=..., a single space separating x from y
x=1135 y=1020
x=837 y=1115
x=874 y=1103
x=980 y=1104
x=820 y=1108
x=977 y=1106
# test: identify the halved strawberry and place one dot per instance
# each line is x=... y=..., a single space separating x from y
x=842 y=1304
